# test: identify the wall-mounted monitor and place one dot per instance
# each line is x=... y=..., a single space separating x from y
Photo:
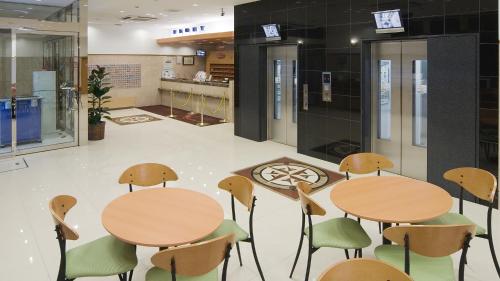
x=388 y=21
x=272 y=32
x=201 y=53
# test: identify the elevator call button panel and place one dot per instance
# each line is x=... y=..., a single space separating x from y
x=327 y=86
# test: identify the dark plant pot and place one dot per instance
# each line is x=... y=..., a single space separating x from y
x=96 y=131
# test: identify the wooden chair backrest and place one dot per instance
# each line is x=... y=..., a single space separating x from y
x=305 y=187
x=362 y=270
x=314 y=207
x=365 y=163
x=194 y=259
x=59 y=206
x=147 y=174
x=478 y=182
x=431 y=241
x=240 y=187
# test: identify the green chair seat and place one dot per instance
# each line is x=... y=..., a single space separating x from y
x=343 y=233
x=227 y=227
x=158 y=274
x=106 y=256
x=454 y=218
x=422 y=268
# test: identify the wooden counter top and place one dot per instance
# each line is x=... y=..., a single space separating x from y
x=186 y=81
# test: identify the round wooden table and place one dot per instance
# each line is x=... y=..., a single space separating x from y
x=162 y=217
x=390 y=199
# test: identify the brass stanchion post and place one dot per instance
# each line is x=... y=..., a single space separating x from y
x=192 y=102
x=202 y=123
x=172 y=104
x=224 y=119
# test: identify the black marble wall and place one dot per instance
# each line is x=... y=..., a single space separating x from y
x=332 y=31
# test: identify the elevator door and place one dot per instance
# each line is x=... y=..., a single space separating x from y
x=282 y=94
x=399 y=105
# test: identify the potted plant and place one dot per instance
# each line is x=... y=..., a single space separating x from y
x=98 y=90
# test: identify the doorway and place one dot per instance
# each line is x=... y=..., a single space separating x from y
x=399 y=105
x=39 y=82
x=282 y=97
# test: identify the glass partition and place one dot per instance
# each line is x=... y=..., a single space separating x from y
x=384 y=100
x=5 y=91
x=46 y=72
x=295 y=92
x=277 y=89
x=420 y=103
x=56 y=11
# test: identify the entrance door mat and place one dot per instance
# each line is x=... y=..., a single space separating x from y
x=12 y=164
x=182 y=115
x=134 y=119
x=282 y=175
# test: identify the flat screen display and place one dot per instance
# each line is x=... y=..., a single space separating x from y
x=390 y=19
x=272 y=31
x=201 y=53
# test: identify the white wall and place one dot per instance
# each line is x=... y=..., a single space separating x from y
x=140 y=39
x=129 y=39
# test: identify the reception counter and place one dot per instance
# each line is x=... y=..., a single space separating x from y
x=187 y=95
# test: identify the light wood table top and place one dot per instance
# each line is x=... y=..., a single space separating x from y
x=162 y=217
x=390 y=199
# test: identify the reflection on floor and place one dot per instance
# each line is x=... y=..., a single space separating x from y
x=12 y=164
x=201 y=158
x=48 y=139
x=182 y=115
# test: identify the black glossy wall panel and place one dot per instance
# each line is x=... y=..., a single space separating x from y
x=453 y=91
x=332 y=32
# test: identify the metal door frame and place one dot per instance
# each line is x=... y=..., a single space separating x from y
x=287 y=80
x=14 y=145
x=399 y=102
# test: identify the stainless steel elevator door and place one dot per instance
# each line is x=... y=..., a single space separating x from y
x=399 y=105
x=282 y=94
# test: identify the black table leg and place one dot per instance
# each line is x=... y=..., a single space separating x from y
x=386 y=241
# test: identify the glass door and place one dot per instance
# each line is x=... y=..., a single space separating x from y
x=46 y=67
x=6 y=90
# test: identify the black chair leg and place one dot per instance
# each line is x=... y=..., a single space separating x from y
x=297 y=256
x=380 y=228
x=130 y=275
x=360 y=253
x=239 y=253
x=346 y=253
x=309 y=258
x=493 y=254
x=252 y=243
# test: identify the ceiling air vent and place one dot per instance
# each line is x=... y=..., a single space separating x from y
x=138 y=18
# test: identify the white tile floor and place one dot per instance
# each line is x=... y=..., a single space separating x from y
x=201 y=156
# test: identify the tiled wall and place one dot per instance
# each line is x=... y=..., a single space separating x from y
x=151 y=67
x=328 y=26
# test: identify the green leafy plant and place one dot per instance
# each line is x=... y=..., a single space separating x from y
x=98 y=90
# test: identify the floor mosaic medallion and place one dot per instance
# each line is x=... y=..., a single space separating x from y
x=282 y=175
x=135 y=119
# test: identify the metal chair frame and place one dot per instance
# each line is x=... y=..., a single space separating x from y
x=463 y=256
x=311 y=248
x=61 y=276
x=250 y=239
x=227 y=255
x=489 y=234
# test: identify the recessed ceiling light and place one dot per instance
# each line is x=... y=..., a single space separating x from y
x=122 y=11
x=195 y=5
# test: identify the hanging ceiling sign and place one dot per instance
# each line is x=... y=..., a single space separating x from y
x=189 y=30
